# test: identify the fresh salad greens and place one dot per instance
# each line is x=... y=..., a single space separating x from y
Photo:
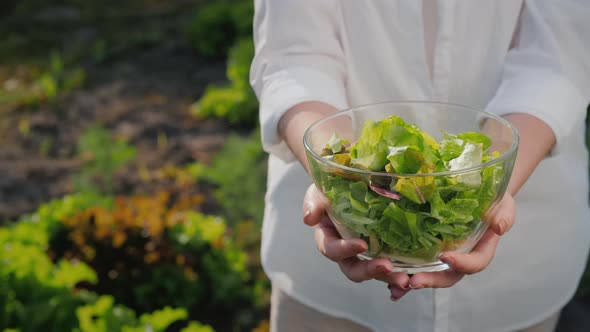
x=408 y=216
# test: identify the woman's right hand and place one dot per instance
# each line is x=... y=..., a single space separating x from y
x=344 y=252
x=292 y=126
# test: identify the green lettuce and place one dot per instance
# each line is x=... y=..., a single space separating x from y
x=336 y=144
x=432 y=213
x=372 y=149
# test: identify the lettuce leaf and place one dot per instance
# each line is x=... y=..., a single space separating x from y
x=417 y=189
x=405 y=160
x=457 y=210
x=336 y=144
x=475 y=138
x=373 y=147
x=451 y=148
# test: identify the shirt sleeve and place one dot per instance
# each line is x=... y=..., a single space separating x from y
x=547 y=74
x=298 y=58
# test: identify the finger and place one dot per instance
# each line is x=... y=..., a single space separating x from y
x=440 y=279
x=359 y=270
x=398 y=280
x=395 y=293
x=477 y=260
x=398 y=284
x=501 y=217
x=331 y=245
x=313 y=206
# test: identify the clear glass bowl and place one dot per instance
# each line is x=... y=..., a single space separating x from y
x=416 y=244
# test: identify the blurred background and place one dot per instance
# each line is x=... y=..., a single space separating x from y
x=132 y=178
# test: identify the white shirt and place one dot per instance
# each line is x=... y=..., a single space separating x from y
x=504 y=56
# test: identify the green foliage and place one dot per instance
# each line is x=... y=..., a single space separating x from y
x=238 y=65
x=159 y=320
x=227 y=102
x=163 y=284
x=103 y=156
x=235 y=102
x=150 y=252
x=217 y=25
x=197 y=327
x=127 y=245
x=223 y=266
x=239 y=170
x=212 y=30
x=105 y=316
x=99 y=51
x=38 y=294
x=56 y=79
x=37 y=228
x=215 y=28
x=35 y=294
x=197 y=231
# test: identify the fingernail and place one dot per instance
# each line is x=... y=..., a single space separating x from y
x=359 y=248
x=405 y=286
x=394 y=299
x=417 y=286
x=382 y=269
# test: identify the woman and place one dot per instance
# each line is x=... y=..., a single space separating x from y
x=528 y=61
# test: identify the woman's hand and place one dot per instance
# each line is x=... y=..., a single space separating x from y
x=536 y=140
x=343 y=252
x=500 y=219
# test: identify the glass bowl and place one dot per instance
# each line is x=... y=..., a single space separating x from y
x=411 y=218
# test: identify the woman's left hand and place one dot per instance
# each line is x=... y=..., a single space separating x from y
x=500 y=219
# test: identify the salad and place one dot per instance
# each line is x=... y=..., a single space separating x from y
x=410 y=215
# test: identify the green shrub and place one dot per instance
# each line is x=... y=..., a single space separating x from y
x=35 y=294
x=54 y=78
x=212 y=30
x=243 y=15
x=105 y=316
x=197 y=327
x=37 y=229
x=239 y=171
x=144 y=252
x=238 y=63
x=217 y=25
x=153 y=251
x=59 y=79
x=103 y=156
x=235 y=102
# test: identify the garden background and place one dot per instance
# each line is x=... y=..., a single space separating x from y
x=132 y=178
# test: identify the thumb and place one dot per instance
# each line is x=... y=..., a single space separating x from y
x=313 y=206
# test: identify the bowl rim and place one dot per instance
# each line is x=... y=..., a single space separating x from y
x=513 y=148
